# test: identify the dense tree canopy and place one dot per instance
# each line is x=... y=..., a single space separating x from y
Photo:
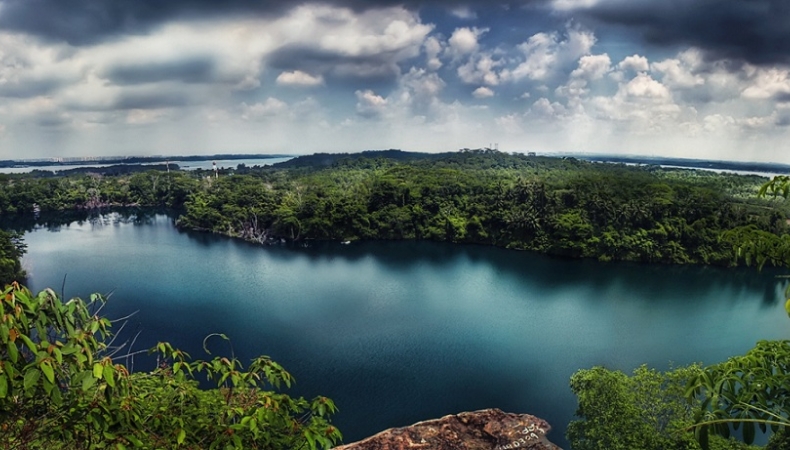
x=560 y=206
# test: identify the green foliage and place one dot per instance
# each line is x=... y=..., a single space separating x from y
x=62 y=387
x=556 y=206
x=11 y=250
x=645 y=411
x=549 y=205
x=779 y=441
x=619 y=412
x=746 y=392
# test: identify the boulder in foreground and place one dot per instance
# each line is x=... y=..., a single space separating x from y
x=488 y=429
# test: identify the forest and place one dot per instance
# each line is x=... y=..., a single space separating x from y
x=558 y=206
x=60 y=362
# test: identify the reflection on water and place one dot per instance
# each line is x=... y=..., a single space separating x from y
x=397 y=332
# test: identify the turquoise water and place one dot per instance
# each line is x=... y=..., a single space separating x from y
x=397 y=332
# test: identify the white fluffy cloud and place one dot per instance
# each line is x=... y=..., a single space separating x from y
x=370 y=104
x=464 y=41
x=634 y=63
x=299 y=78
x=767 y=83
x=481 y=69
x=433 y=48
x=547 y=53
x=482 y=92
x=593 y=67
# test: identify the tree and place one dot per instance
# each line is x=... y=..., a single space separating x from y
x=645 y=411
x=11 y=250
x=62 y=386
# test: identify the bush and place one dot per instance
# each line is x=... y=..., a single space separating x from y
x=62 y=387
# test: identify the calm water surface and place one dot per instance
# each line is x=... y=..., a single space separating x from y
x=185 y=165
x=397 y=332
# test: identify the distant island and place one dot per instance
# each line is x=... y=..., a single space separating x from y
x=327 y=159
x=73 y=161
x=767 y=167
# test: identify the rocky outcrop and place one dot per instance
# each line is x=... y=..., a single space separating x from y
x=488 y=429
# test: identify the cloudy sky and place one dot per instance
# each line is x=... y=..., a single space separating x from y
x=691 y=78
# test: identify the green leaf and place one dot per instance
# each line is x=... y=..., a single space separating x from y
x=56 y=397
x=58 y=355
x=97 y=371
x=88 y=382
x=46 y=367
x=31 y=378
x=136 y=442
x=13 y=352
x=701 y=433
x=109 y=375
x=3 y=386
x=182 y=434
x=787 y=306
x=29 y=343
x=9 y=369
x=748 y=432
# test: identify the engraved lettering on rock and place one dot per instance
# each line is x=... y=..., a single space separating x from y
x=529 y=433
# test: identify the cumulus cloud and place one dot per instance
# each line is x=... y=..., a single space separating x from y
x=643 y=86
x=593 y=67
x=299 y=78
x=433 y=48
x=634 y=63
x=370 y=104
x=482 y=68
x=547 y=53
x=420 y=90
x=482 y=92
x=325 y=40
x=544 y=108
x=768 y=83
x=464 y=41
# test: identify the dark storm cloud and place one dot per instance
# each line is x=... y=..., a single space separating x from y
x=756 y=31
x=150 y=100
x=51 y=120
x=199 y=70
x=29 y=88
x=81 y=22
x=375 y=66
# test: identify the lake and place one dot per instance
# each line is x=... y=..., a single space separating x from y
x=184 y=165
x=398 y=332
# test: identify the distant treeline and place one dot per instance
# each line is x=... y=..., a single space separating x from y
x=559 y=206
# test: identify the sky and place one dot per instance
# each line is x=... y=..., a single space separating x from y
x=683 y=78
